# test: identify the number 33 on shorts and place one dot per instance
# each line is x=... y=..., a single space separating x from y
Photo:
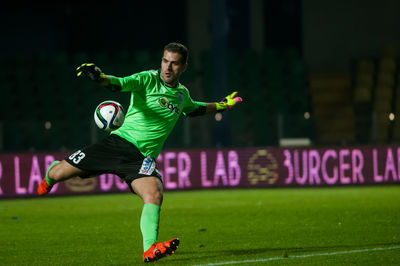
x=77 y=156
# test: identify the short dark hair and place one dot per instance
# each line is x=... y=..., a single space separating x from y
x=178 y=48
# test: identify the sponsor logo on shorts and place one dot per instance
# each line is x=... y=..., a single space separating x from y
x=148 y=166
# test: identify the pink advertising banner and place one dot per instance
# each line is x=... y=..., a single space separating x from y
x=257 y=167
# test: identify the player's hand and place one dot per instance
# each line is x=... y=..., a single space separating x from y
x=228 y=102
x=91 y=71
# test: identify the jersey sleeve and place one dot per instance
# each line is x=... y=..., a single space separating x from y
x=191 y=105
x=130 y=83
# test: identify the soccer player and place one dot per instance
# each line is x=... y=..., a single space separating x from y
x=157 y=100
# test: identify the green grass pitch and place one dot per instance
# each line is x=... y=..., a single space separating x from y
x=314 y=226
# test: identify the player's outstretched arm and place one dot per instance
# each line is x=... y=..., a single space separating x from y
x=211 y=108
x=226 y=103
x=94 y=73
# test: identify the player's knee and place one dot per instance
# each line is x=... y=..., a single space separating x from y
x=155 y=197
x=58 y=172
x=55 y=173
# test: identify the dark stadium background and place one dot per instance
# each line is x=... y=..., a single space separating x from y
x=305 y=171
x=321 y=71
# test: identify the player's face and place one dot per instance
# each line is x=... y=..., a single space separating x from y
x=171 y=68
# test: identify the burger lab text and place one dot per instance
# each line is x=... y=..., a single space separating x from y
x=20 y=174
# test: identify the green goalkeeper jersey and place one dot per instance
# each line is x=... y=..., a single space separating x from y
x=153 y=111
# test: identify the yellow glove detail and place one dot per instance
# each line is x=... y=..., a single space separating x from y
x=228 y=102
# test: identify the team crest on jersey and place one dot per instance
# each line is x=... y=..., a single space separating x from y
x=164 y=103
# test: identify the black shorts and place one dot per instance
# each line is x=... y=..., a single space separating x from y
x=114 y=155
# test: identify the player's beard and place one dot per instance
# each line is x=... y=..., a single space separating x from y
x=171 y=79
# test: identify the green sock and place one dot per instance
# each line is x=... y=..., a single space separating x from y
x=48 y=180
x=149 y=224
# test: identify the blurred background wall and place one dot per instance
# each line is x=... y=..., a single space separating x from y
x=336 y=31
x=319 y=72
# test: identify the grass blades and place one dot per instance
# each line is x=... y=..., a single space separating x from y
x=314 y=226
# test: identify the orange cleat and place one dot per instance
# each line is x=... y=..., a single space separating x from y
x=44 y=188
x=160 y=250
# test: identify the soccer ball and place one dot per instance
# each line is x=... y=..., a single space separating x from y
x=109 y=115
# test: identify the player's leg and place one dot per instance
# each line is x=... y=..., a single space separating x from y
x=63 y=171
x=58 y=171
x=150 y=189
x=95 y=159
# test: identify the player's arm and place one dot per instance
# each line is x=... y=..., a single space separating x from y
x=94 y=73
x=211 y=108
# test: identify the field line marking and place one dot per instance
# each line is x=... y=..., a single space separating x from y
x=301 y=256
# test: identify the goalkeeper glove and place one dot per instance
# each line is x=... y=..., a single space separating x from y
x=91 y=71
x=228 y=102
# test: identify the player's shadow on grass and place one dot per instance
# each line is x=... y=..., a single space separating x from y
x=203 y=253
